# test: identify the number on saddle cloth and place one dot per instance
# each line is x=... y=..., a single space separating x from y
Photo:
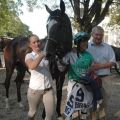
x=79 y=99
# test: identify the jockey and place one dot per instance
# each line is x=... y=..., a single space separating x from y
x=79 y=62
x=89 y=77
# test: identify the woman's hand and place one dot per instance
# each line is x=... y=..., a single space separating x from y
x=32 y=64
x=43 y=53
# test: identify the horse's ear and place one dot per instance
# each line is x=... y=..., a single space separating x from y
x=48 y=9
x=62 y=6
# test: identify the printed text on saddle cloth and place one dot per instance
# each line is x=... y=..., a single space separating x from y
x=79 y=99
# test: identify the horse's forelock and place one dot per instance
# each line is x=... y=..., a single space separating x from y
x=55 y=13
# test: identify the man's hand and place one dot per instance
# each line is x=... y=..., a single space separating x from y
x=96 y=66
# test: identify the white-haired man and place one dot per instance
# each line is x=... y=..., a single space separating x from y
x=104 y=58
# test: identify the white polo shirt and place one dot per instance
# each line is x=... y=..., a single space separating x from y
x=40 y=77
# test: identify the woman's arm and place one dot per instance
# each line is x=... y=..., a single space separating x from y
x=32 y=64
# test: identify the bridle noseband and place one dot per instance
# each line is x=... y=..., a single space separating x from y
x=59 y=19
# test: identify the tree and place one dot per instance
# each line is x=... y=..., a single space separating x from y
x=115 y=14
x=10 y=22
x=92 y=14
x=87 y=13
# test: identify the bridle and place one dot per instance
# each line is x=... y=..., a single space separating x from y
x=62 y=28
x=50 y=18
x=48 y=37
x=52 y=39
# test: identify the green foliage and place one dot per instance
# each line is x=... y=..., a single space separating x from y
x=10 y=22
x=115 y=15
x=86 y=13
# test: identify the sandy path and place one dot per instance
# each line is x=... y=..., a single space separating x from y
x=15 y=113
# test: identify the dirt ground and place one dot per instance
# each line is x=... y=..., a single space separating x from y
x=16 y=113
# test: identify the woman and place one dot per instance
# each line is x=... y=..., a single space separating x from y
x=40 y=86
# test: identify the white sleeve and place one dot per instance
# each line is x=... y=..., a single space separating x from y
x=28 y=56
x=66 y=59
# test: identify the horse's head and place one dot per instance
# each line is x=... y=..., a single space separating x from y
x=59 y=32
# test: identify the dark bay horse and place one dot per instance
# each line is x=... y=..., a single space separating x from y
x=14 y=54
x=57 y=44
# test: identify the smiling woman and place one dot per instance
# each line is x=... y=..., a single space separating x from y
x=36 y=20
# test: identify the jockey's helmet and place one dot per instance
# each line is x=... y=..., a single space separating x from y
x=81 y=36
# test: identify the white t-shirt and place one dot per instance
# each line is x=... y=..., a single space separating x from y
x=40 y=77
